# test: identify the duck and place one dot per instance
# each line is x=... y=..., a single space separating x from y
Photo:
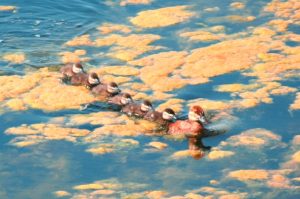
x=191 y=127
x=162 y=118
x=88 y=80
x=106 y=90
x=137 y=109
x=71 y=69
x=121 y=99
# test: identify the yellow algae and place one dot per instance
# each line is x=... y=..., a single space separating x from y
x=44 y=132
x=117 y=70
x=157 y=95
x=265 y=57
x=263 y=31
x=173 y=103
x=210 y=104
x=16 y=58
x=156 y=194
x=137 y=86
x=157 y=69
x=236 y=87
x=181 y=154
x=214 y=182
x=283 y=90
x=193 y=196
x=158 y=145
x=237 y=5
x=16 y=104
x=203 y=36
x=246 y=175
x=8 y=8
x=140 y=96
x=296 y=103
x=83 y=40
x=127 y=2
x=279 y=24
x=218 y=154
x=287 y=9
x=127 y=128
x=92 y=186
x=104 y=118
x=60 y=194
x=296 y=157
x=217 y=29
x=232 y=19
x=128 y=47
x=224 y=57
x=162 y=17
x=253 y=138
x=296 y=140
x=108 y=28
x=73 y=57
x=231 y=196
x=278 y=181
x=101 y=150
x=103 y=192
x=130 y=141
x=117 y=79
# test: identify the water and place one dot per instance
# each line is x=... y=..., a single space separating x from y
x=41 y=28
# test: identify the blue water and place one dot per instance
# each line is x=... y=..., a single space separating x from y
x=40 y=28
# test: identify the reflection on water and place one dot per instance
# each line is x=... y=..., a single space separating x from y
x=237 y=59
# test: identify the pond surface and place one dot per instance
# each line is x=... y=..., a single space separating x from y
x=239 y=60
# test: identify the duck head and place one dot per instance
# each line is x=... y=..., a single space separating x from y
x=77 y=68
x=146 y=106
x=168 y=114
x=113 y=88
x=126 y=99
x=94 y=79
x=196 y=113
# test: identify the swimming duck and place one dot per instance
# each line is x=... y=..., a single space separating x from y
x=192 y=127
x=106 y=90
x=121 y=99
x=162 y=118
x=71 y=69
x=88 y=80
x=138 y=110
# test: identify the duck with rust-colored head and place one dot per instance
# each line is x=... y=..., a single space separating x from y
x=106 y=90
x=88 y=80
x=138 y=109
x=191 y=127
x=162 y=118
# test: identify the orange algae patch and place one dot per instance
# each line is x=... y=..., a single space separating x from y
x=232 y=19
x=279 y=24
x=162 y=17
x=158 y=67
x=99 y=118
x=210 y=104
x=92 y=186
x=236 y=87
x=203 y=36
x=36 y=133
x=175 y=104
x=237 y=5
x=135 y=2
x=108 y=28
x=60 y=194
x=296 y=103
x=279 y=181
x=83 y=40
x=287 y=9
x=73 y=57
x=8 y=8
x=256 y=138
x=158 y=145
x=224 y=57
x=156 y=194
x=101 y=149
x=196 y=154
x=128 y=47
x=218 y=154
x=103 y=192
x=296 y=157
x=246 y=175
x=117 y=70
x=16 y=58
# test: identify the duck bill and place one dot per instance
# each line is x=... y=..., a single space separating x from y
x=203 y=120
